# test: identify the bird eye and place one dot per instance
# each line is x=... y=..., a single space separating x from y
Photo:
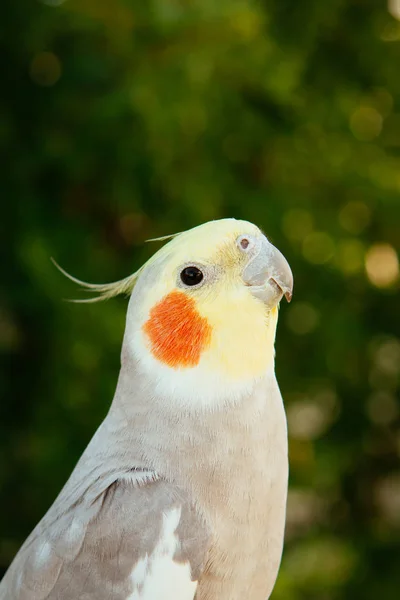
x=191 y=276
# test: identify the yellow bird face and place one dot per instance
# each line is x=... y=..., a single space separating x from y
x=203 y=313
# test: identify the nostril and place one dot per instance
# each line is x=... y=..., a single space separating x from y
x=245 y=242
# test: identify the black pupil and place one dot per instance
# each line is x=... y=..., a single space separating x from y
x=191 y=275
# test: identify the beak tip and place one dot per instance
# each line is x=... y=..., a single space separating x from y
x=289 y=295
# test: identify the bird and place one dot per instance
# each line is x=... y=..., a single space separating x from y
x=181 y=493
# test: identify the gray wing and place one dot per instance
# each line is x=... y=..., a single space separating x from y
x=138 y=539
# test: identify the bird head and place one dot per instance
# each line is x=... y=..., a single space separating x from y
x=203 y=312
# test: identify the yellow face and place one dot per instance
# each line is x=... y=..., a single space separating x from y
x=199 y=313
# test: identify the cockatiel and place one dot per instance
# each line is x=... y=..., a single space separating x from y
x=181 y=493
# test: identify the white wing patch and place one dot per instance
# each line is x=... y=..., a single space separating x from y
x=138 y=575
x=158 y=576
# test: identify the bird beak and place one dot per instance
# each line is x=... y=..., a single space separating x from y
x=268 y=274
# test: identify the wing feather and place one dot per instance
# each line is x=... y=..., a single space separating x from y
x=138 y=539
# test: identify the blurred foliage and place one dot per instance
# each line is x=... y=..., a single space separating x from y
x=126 y=120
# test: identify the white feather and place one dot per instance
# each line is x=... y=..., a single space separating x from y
x=158 y=576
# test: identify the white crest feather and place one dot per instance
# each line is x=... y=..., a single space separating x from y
x=162 y=238
x=115 y=288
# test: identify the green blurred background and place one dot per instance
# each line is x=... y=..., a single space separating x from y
x=123 y=120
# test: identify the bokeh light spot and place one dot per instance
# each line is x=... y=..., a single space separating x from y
x=382 y=408
x=304 y=509
x=246 y=23
x=382 y=265
x=387 y=495
x=383 y=101
x=318 y=247
x=321 y=561
x=355 y=216
x=309 y=418
x=45 y=69
x=391 y=32
x=394 y=8
x=302 y=318
x=387 y=356
x=350 y=256
x=366 y=123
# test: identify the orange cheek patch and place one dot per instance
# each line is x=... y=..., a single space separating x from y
x=177 y=333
